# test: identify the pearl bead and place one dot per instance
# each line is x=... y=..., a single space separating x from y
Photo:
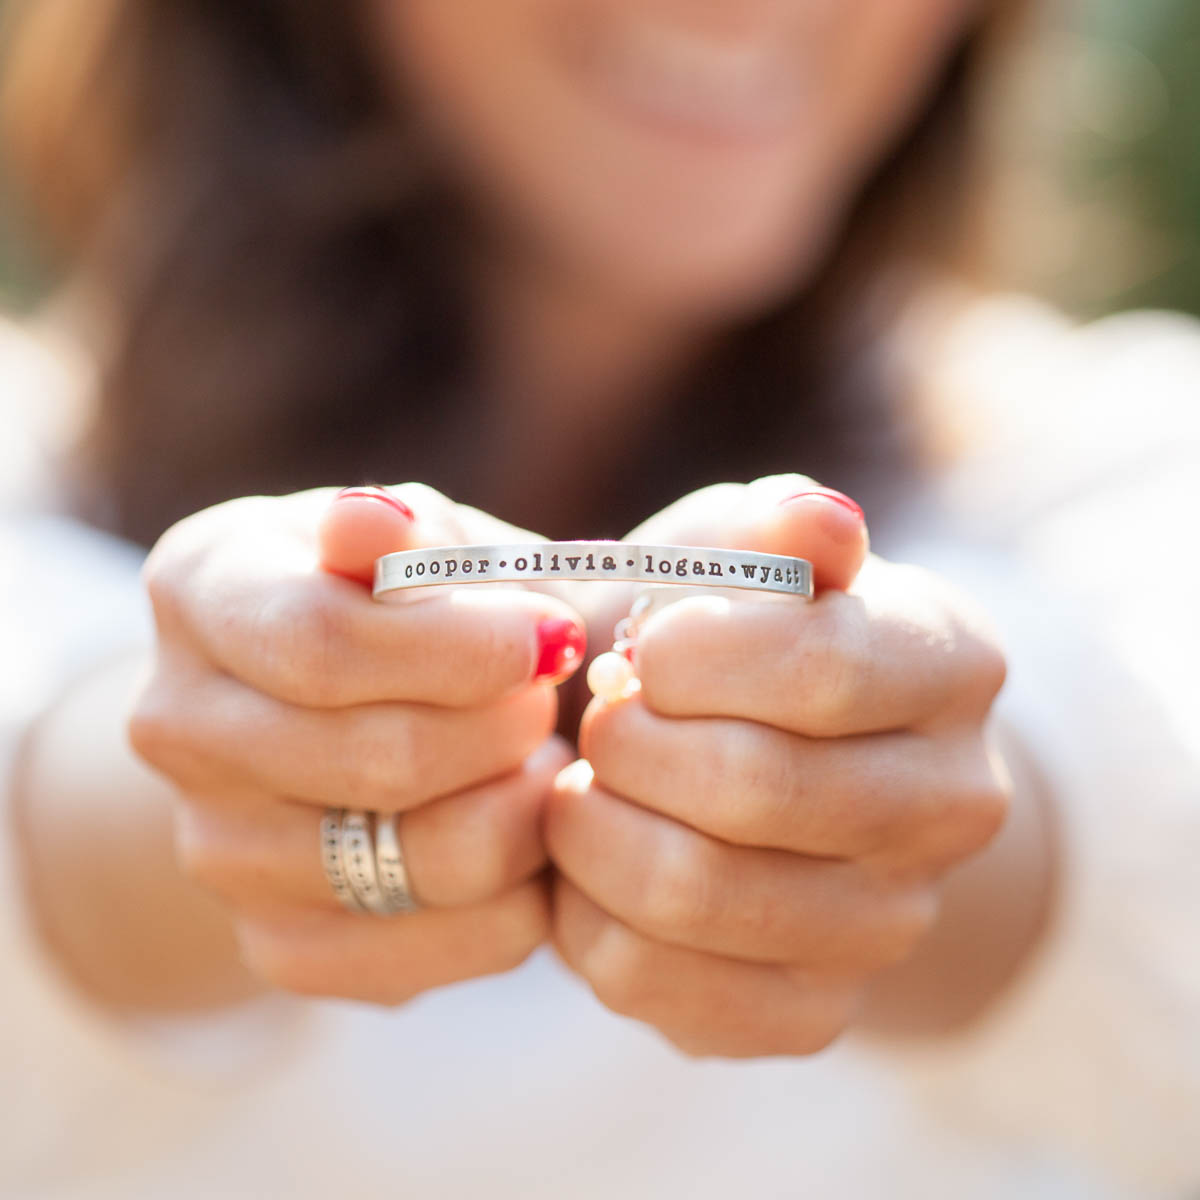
x=610 y=676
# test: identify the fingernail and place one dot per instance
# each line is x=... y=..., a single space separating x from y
x=561 y=647
x=829 y=494
x=379 y=494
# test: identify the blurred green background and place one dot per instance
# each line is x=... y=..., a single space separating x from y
x=1148 y=168
x=1094 y=199
x=1094 y=194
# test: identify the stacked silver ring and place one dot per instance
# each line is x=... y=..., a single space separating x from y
x=364 y=864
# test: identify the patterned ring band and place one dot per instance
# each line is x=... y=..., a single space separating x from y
x=389 y=860
x=358 y=861
x=363 y=862
x=331 y=860
x=691 y=565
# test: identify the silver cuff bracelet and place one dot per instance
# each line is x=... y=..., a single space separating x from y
x=695 y=566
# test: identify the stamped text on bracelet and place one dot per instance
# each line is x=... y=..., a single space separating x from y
x=694 y=565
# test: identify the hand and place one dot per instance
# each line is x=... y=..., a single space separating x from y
x=281 y=688
x=764 y=825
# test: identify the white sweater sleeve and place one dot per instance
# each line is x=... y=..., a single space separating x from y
x=115 y=1092
x=1095 y=1049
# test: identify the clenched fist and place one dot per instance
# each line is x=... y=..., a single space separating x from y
x=762 y=827
x=280 y=687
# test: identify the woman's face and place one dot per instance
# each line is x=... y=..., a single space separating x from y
x=683 y=156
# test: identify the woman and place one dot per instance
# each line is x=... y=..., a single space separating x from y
x=517 y=252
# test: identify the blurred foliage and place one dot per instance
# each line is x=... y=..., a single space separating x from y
x=1095 y=198
x=1117 y=166
x=22 y=275
x=1164 y=155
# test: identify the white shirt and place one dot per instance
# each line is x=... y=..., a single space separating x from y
x=1082 y=1081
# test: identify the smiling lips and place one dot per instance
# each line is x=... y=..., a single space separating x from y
x=744 y=88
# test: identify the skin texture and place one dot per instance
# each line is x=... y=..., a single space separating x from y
x=682 y=160
x=760 y=830
x=643 y=172
x=280 y=688
x=764 y=832
x=776 y=846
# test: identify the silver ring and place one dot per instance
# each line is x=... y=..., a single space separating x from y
x=331 y=860
x=695 y=566
x=391 y=868
x=365 y=871
x=358 y=862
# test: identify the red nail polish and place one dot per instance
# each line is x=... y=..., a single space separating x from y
x=561 y=647
x=829 y=494
x=377 y=493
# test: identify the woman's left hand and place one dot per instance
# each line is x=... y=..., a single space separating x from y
x=765 y=823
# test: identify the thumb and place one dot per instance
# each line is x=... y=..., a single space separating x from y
x=360 y=524
x=778 y=514
x=791 y=514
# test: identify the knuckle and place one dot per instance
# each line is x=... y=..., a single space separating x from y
x=605 y=741
x=993 y=668
x=296 y=958
x=962 y=816
x=911 y=916
x=557 y=819
x=489 y=664
x=390 y=995
x=986 y=812
x=669 y=668
x=825 y=1013
x=538 y=711
x=166 y=569
x=525 y=926
x=698 y=1046
x=515 y=727
x=278 y=960
x=622 y=975
x=489 y=872
x=475 y=862
x=751 y=780
x=980 y=651
x=977 y=810
x=383 y=764
x=384 y=994
x=833 y=661
x=487 y=661
x=674 y=896
x=161 y=573
x=301 y=640
x=500 y=860
x=799 y=1038
x=667 y=665
x=201 y=853
x=159 y=580
x=983 y=673
x=150 y=725
x=159 y=732
x=817 y=1034
x=599 y=734
x=882 y=828
x=513 y=952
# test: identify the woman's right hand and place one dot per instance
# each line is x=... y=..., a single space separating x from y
x=281 y=688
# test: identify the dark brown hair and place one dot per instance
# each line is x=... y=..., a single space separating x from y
x=278 y=260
